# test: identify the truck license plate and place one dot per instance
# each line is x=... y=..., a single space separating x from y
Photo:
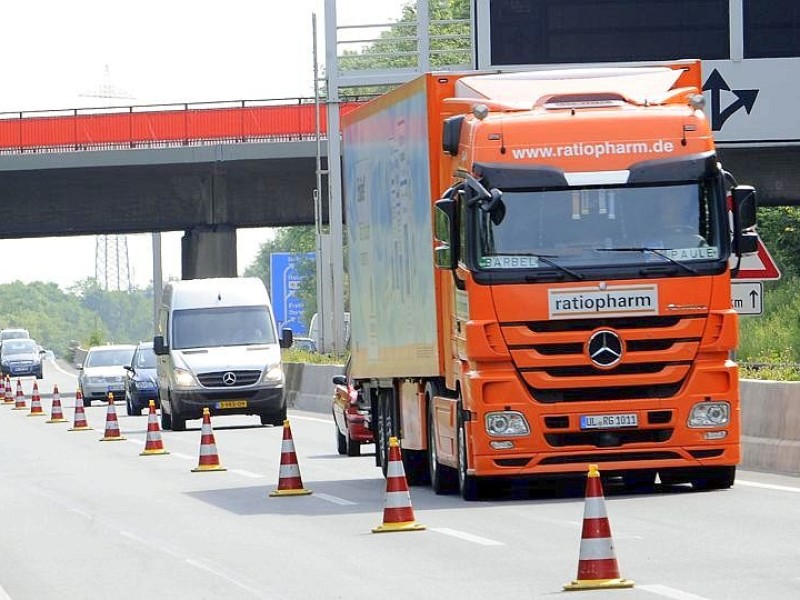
x=609 y=421
x=232 y=404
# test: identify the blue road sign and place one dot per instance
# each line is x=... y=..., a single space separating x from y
x=286 y=280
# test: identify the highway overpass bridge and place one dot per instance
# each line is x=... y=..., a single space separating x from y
x=205 y=170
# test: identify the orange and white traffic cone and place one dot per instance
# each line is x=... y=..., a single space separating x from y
x=597 y=564
x=56 y=413
x=289 y=481
x=79 y=423
x=153 y=444
x=8 y=397
x=36 y=402
x=19 y=402
x=209 y=459
x=398 y=515
x=112 y=433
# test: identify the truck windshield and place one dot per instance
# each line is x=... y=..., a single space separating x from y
x=575 y=228
x=233 y=326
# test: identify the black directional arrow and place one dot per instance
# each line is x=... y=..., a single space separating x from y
x=745 y=99
x=754 y=298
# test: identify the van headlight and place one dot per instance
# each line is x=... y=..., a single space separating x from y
x=273 y=373
x=506 y=423
x=183 y=378
x=710 y=414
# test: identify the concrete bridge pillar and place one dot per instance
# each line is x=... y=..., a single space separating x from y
x=208 y=251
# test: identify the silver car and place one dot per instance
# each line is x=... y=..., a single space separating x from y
x=103 y=372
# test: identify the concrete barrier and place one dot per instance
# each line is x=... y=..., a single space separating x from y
x=771 y=426
x=770 y=414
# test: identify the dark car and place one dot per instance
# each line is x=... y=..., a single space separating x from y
x=21 y=357
x=351 y=416
x=141 y=381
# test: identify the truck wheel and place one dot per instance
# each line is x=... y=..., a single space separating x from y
x=441 y=479
x=714 y=478
x=467 y=484
x=641 y=481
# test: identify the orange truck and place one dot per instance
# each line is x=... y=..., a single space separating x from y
x=539 y=268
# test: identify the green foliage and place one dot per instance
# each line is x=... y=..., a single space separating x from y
x=770 y=342
x=779 y=228
x=317 y=358
x=84 y=313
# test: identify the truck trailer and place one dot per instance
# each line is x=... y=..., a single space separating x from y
x=540 y=276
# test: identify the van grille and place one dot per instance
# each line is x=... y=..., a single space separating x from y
x=218 y=378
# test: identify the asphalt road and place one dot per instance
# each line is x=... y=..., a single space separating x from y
x=89 y=519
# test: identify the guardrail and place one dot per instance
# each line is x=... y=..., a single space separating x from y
x=163 y=125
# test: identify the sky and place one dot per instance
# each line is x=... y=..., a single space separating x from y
x=59 y=54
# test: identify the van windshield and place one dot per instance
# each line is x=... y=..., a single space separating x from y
x=233 y=326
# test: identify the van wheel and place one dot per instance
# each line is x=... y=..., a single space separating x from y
x=178 y=423
x=275 y=419
x=166 y=420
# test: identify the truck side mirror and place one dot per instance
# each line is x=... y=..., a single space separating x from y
x=445 y=255
x=745 y=205
x=287 y=338
x=159 y=347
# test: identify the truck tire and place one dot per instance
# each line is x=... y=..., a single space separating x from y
x=441 y=476
x=468 y=485
x=714 y=478
x=341 y=441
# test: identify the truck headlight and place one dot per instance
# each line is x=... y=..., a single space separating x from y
x=183 y=378
x=273 y=373
x=710 y=414
x=506 y=423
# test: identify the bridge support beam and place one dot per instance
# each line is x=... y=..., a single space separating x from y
x=208 y=251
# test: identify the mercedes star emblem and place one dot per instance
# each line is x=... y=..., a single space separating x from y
x=229 y=378
x=604 y=348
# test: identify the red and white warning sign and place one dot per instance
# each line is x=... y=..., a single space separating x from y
x=758 y=266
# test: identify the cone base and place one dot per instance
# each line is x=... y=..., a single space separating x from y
x=87 y=428
x=118 y=438
x=201 y=468
x=598 y=584
x=152 y=452
x=7 y=402
x=297 y=492
x=20 y=408
x=56 y=421
x=37 y=414
x=407 y=526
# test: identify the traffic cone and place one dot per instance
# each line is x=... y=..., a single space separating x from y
x=398 y=515
x=79 y=423
x=289 y=481
x=597 y=564
x=20 y=403
x=112 y=433
x=36 y=402
x=56 y=414
x=153 y=445
x=209 y=459
x=8 y=397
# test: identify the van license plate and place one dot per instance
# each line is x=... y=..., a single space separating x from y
x=609 y=421
x=232 y=404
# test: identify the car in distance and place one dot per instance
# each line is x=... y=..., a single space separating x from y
x=351 y=416
x=103 y=372
x=141 y=381
x=20 y=358
x=304 y=343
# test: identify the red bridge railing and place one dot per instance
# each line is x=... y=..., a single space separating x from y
x=162 y=125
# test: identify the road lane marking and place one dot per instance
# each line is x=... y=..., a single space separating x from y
x=247 y=588
x=768 y=486
x=3 y=595
x=334 y=499
x=299 y=418
x=58 y=367
x=249 y=474
x=181 y=455
x=467 y=537
x=668 y=592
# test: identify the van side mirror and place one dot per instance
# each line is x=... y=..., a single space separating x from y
x=287 y=338
x=159 y=347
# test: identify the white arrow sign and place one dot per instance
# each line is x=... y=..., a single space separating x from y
x=747 y=297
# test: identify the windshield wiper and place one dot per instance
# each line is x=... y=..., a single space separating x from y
x=545 y=258
x=656 y=251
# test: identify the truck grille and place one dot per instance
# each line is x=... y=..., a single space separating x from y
x=219 y=378
x=551 y=357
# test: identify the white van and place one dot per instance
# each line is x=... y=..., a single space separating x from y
x=218 y=348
